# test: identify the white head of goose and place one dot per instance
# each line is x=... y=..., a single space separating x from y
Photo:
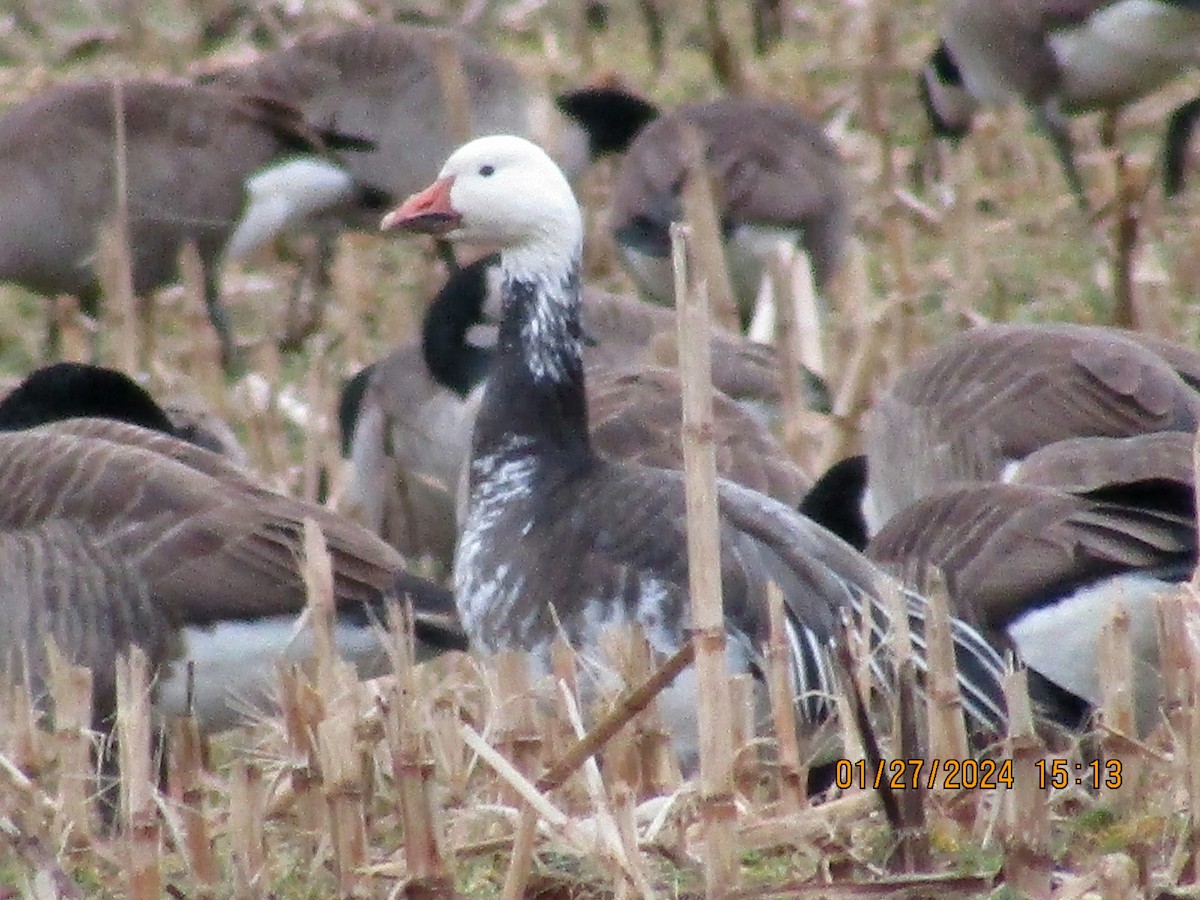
x=558 y=537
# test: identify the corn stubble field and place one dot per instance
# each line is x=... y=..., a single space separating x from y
x=448 y=778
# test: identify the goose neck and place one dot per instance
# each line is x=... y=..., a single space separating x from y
x=536 y=390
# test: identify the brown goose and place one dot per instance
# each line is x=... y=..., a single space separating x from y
x=1042 y=572
x=984 y=400
x=778 y=178
x=408 y=435
x=559 y=539
x=1060 y=57
x=191 y=153
x=113 y=535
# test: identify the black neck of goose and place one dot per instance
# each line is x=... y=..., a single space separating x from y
x=453 y=361
x=536 y=400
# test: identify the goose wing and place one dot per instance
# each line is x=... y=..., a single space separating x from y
x=1005 y=549
x=207 y=541
x=629 y=524
x=634 y=414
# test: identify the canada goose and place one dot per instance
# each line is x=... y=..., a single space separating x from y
x=559 y=539
x=69 y=390
x=380 y=82
x=979 y=403
x=113 y=535
x=409 y=431
x=191 y=154
x=1039 y=563
x=777 y=176
x=1060 y=57
x=1042 y=572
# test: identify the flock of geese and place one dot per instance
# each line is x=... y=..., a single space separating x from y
x=1044 y=471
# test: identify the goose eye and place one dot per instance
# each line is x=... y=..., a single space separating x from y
x=485 y=171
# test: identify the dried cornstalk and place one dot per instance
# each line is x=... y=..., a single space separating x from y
x=746 y=759
x=202 y=359
x=342 y=766
x=627 y=853
x=517 y=737
x=704 y=570
x=619 y=755
x=115 y=257
x=456 y=100
x=303 y=709
x=76 y=333
x=797 y=346
x=187 y=786
x=1124 y=239
x=246 y=831
x=412 y=768
x=726 y=64
x=22 y=739
x=520 y=865
x=139 y=784
x=1027 y=820
x=947 y=731
x=657 y=770
x=319 y=611
x=319 y=398
x=628 y=706
x=700 y=212
x=1119 y=722
x=71 y=695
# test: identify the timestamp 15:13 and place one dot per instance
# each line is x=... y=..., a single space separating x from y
x=1058 y=773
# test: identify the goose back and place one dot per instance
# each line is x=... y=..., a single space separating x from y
x=190 y=150
x=1043 y=572
x=990 y=397
x=773 y=168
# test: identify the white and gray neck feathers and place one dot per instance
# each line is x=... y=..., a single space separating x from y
x=536 y=391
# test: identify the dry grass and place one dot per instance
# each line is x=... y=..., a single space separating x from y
x=403 y=787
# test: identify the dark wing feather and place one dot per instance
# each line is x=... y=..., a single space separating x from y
x=209 y=542
x=1088 y=463
x=1005 y=549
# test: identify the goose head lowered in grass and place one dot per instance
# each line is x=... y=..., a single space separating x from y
x=559 y=539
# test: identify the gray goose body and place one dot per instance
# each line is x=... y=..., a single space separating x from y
x=556 y=534
x=112 y=535
x=191 y=151
x=380 y=82
x=1041 y=572
x=977 y=405
x=777 y=177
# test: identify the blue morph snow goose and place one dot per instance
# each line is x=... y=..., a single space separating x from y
x=558 y=537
